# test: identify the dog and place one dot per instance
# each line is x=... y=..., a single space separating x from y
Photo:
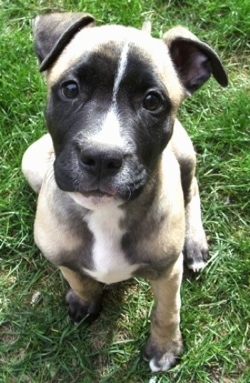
x=115 y=173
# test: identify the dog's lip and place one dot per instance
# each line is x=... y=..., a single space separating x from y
x=98 y=193
x=95 y=199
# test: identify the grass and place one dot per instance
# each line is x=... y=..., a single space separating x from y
x=37 y=342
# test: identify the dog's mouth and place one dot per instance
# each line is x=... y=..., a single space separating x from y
x=97 y=194
x=95 y=199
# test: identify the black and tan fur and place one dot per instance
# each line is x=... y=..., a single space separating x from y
x=115 y=174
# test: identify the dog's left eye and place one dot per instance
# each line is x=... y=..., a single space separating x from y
x=152 y=101
x=70 y=89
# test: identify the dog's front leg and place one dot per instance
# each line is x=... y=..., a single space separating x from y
x=165 y=341
x=84 y=298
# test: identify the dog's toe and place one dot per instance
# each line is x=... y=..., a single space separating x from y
x=79 y=310
x=196 y=254
x=162 y=358
x=196 y=266
x=162 y=365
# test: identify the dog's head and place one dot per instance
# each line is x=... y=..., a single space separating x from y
x=113 y=94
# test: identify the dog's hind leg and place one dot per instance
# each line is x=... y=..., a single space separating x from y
x=195 y=247
x=84 y=298
x=36 y=160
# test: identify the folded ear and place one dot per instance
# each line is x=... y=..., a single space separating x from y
x=194 y=60
x=53 y=31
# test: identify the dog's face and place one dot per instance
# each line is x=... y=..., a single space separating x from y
x=110 y=111
x=113 y=93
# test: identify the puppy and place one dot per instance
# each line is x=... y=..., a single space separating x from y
x=115 y=174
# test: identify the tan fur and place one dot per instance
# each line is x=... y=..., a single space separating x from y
x=52 y=236
x=169 y=199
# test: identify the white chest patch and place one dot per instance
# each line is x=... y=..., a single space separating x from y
x=110 y=264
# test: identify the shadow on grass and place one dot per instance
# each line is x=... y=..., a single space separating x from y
x=40 y=344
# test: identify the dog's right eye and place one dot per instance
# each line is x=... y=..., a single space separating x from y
x=70 y=90
x=152 y=101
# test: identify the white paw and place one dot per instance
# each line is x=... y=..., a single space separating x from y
x=163 y=364
x=197 y=266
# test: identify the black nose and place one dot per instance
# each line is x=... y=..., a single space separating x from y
x=101 y=162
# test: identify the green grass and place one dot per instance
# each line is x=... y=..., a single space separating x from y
x=37 y=342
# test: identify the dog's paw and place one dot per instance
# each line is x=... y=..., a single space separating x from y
x=78 y=309
x=196 y=253
x=162 y=358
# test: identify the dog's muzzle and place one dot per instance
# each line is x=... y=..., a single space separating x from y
x=97 y=171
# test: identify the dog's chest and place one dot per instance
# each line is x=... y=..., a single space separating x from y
x=109 y=260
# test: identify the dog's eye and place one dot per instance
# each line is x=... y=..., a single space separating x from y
x=152 y=101
x=70 y=89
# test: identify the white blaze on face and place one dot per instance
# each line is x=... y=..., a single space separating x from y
x=110 y=133
x=121 y=70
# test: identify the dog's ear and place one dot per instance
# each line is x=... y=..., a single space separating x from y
x=194 y=60
x=53 y=31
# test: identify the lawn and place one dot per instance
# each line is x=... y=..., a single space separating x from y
x=37 y=342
